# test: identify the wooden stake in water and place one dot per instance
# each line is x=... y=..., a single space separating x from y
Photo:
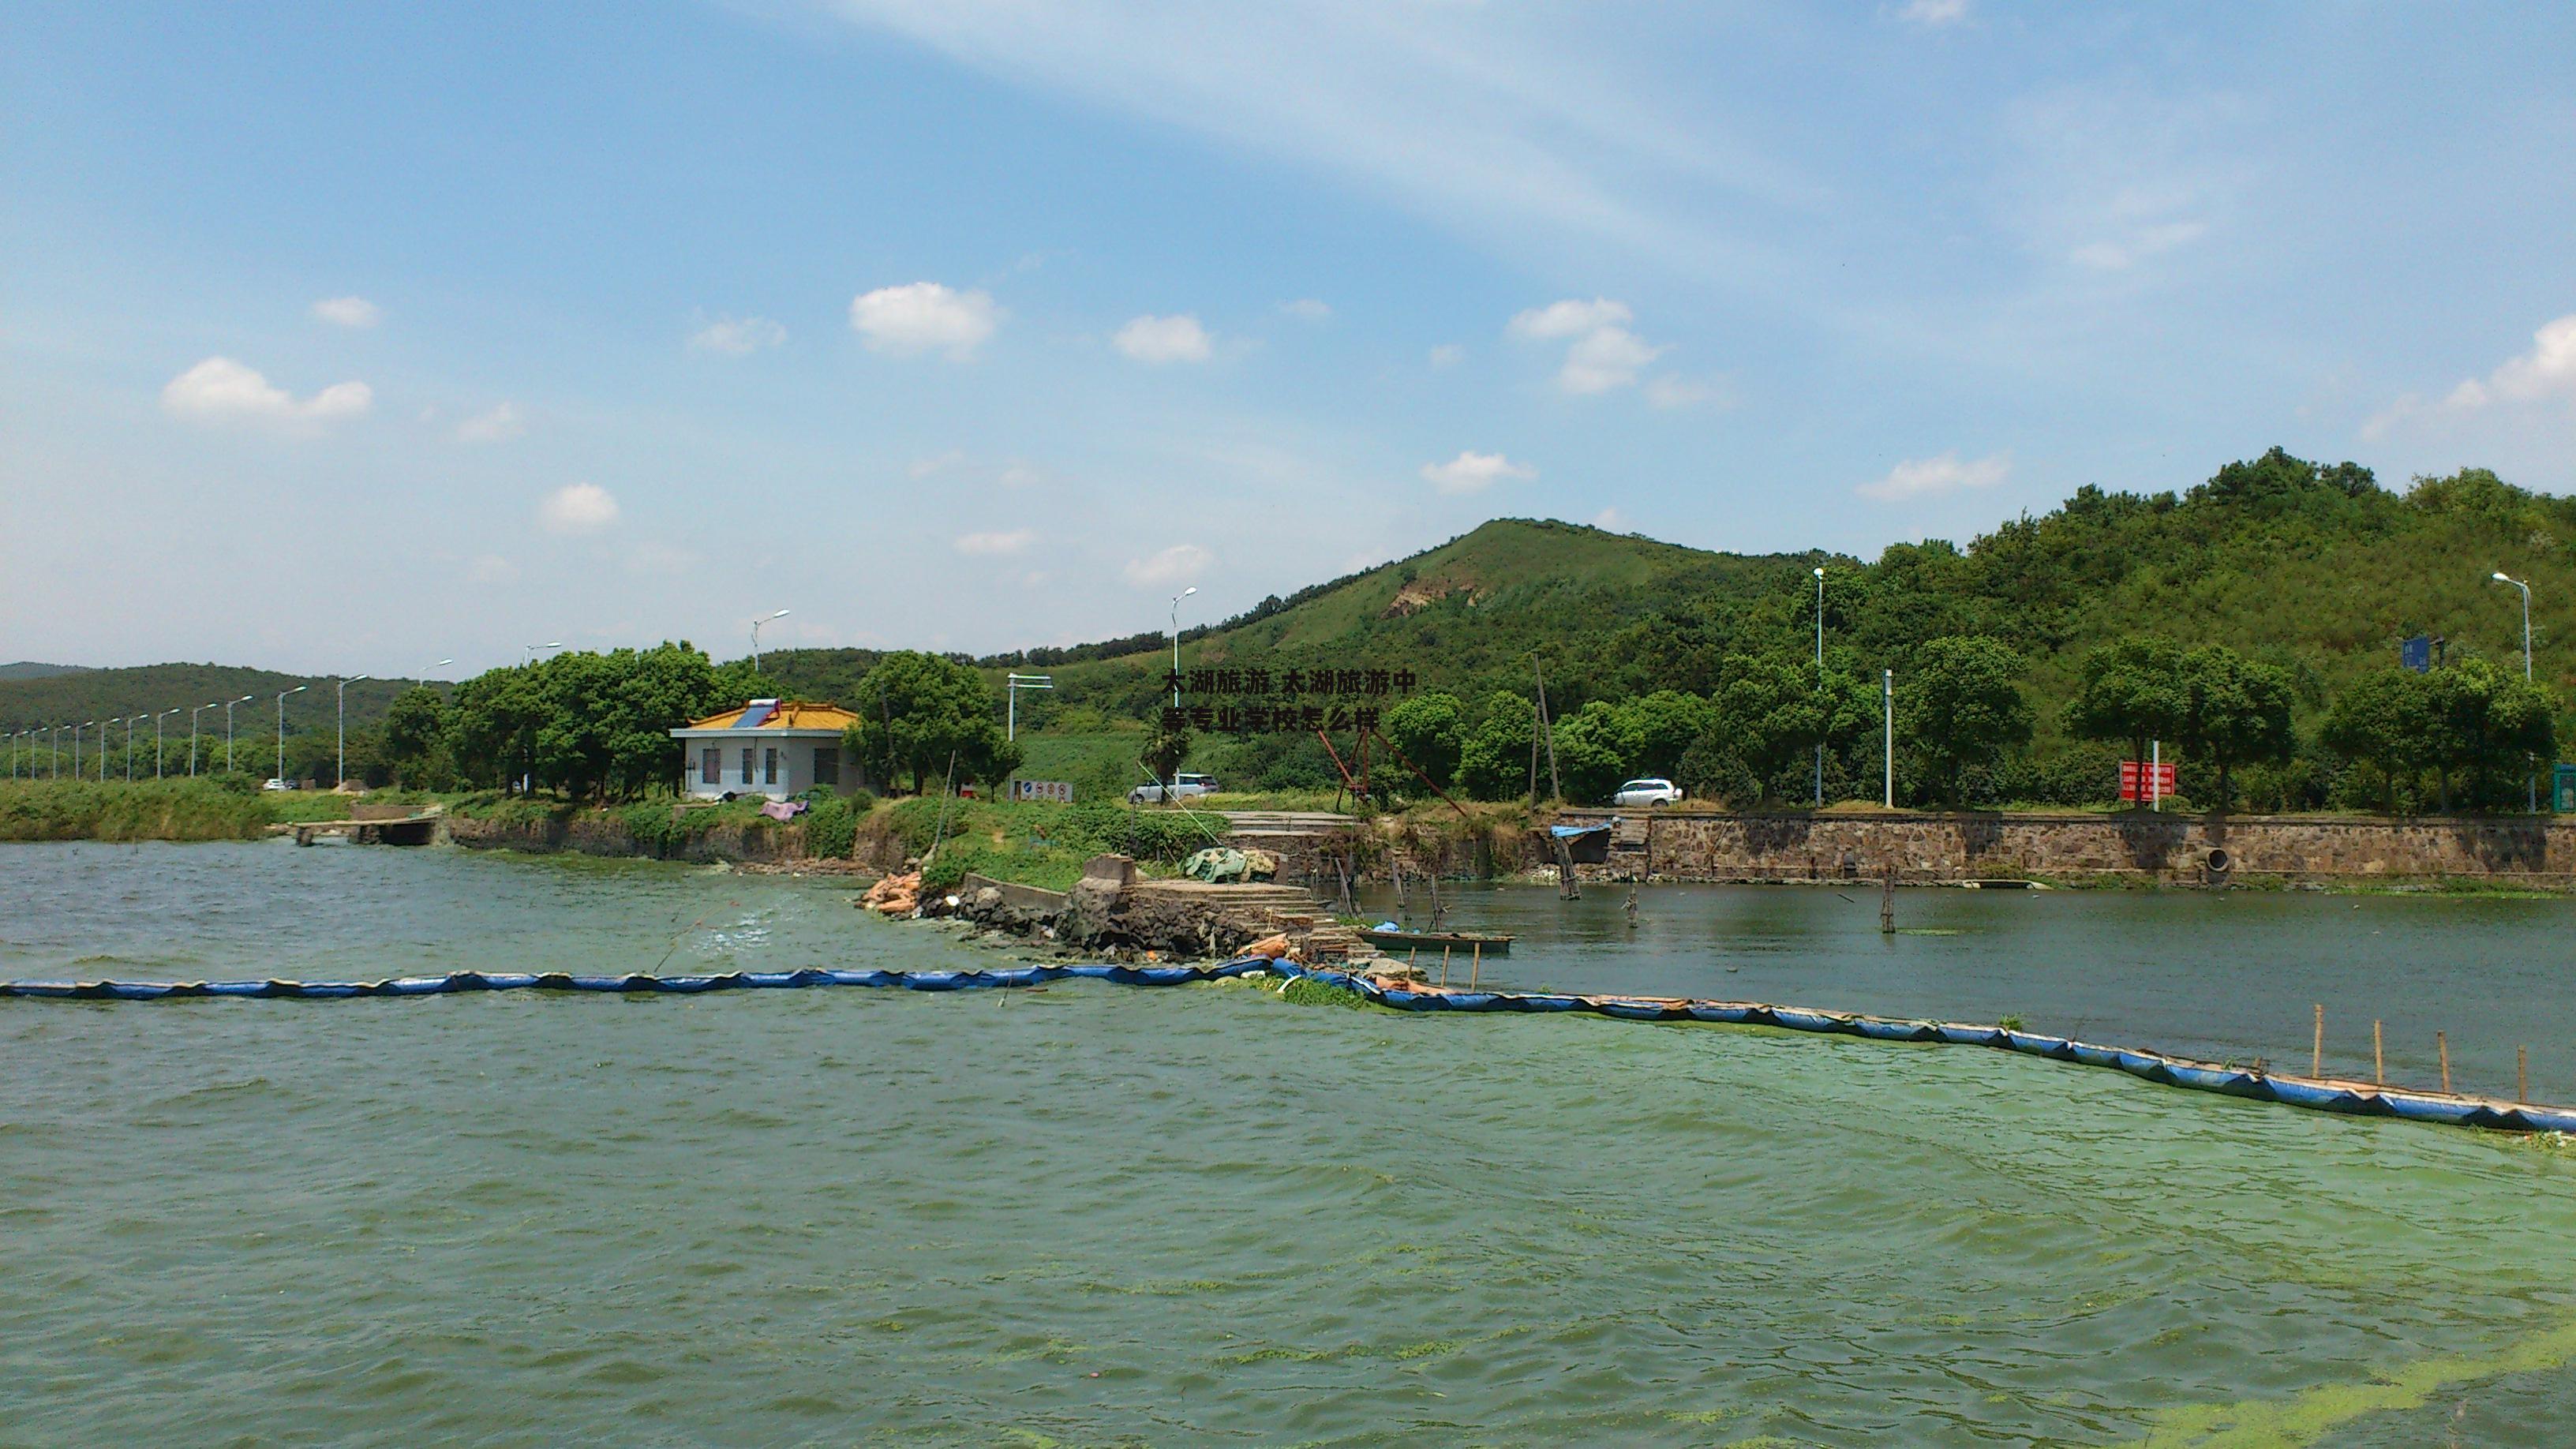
x=2442 y=1041
x=1887 y=904
x=1476 y=966
x=2378 y=1056
x=2317 y=1053
x=1444 y=964
x=2522 y=1074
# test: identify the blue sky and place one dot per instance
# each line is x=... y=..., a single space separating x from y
x=973 y=325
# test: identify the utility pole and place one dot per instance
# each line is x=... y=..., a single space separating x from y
x=1820 y=681
x=1547 y=730
x=1011 y=688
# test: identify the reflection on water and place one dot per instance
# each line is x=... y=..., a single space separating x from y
x=2232 y=975
x=1205 y=1215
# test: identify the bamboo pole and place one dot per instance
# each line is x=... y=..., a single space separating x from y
x=2378 y=1056
x=2442 y=1041
x=2317 y=1053
x=1476 y=966
x=2522 y=1074
x=1444 y=963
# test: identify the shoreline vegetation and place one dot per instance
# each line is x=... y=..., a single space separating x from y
x=1045 y=845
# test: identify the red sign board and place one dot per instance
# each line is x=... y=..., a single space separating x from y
x=2134 y=780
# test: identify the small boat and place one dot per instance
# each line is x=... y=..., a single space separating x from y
x=1390 y=936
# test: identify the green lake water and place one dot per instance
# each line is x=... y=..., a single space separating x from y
x=1203 y=1215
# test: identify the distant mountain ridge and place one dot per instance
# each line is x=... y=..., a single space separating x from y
x=30 y=669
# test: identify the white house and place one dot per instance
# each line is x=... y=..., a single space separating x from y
x=772 y=747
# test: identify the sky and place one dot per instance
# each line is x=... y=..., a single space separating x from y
x=351 y=337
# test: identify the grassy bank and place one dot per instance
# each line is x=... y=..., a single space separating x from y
x=200 y=809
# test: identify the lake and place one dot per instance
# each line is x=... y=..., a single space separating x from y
x=1095 y=1214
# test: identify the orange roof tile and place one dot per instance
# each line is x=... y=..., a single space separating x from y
x=791 y=714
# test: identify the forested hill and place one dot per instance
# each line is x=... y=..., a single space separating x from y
x=2320 y=570
x=70 y=696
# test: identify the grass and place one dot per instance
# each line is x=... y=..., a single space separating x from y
x=183 y=809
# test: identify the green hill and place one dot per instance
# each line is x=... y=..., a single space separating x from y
x=72 y=696
x=2318 y=570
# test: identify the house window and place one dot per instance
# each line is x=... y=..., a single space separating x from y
x=769 y=766
x=711 y=766
x=827 y=766
x=747 y=753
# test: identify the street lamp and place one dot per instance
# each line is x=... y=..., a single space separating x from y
x=1011 y=687
x=192 y=736
x=1176 y=642
x=340 y=773
x=533 y=648
x=442 y=664
x=1820 y=681
x=129 y=749
x=281 y=731
x=229 y=763
x=57 y=752
x=156 y=737
x=755 y=636
x=2531 y=783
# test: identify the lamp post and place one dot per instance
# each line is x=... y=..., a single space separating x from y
x=1820 y=681
x=281 y=731
x=2531 y=782
x=755 y=636
x=442 y=664
x=229 y=762
x=1176 y=642
x=340 y=772
x=57 y=751
x=129 y=749
x=192 y=736
x=1011 y=687
x=1887 y=702
x=533 y=648
x=156 y=737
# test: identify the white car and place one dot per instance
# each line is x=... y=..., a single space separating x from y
x=1183 y=787
x=1647 y=792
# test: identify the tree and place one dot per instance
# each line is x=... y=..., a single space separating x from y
x=2130 y=690
x=1594 y=749
x=1494 y=759
x=1773 y=711
x=414 y=734
x=1963 y=707
x=1666 y=724
x=917 y=712
x=2385 y=720
x=1431 y=731
x=2482 y=717
x=2234 y=711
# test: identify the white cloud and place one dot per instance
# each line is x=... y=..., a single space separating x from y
x=1448 y=354
x=1018 y=475
x=1570 y=318
x=1672 y=390
x=1308 y=309
x=1605 y=358
x=986 y=544
x=348 y=312
x=1178 y=564
x=2137 y=246
x=1472 y=472
x=220 y=390
x=1604 y=354
x=737 y=336
x=1178 y=338
x=1610 y=520
x=2549 y=367
x=577 y=508
x=497 y=426
x=936 y=463
x=490 y=568
x=1932 y=13
x=923 y=317
x=1931 y=477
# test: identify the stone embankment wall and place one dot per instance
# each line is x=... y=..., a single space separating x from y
x=601 y=832
x=2147 y=847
